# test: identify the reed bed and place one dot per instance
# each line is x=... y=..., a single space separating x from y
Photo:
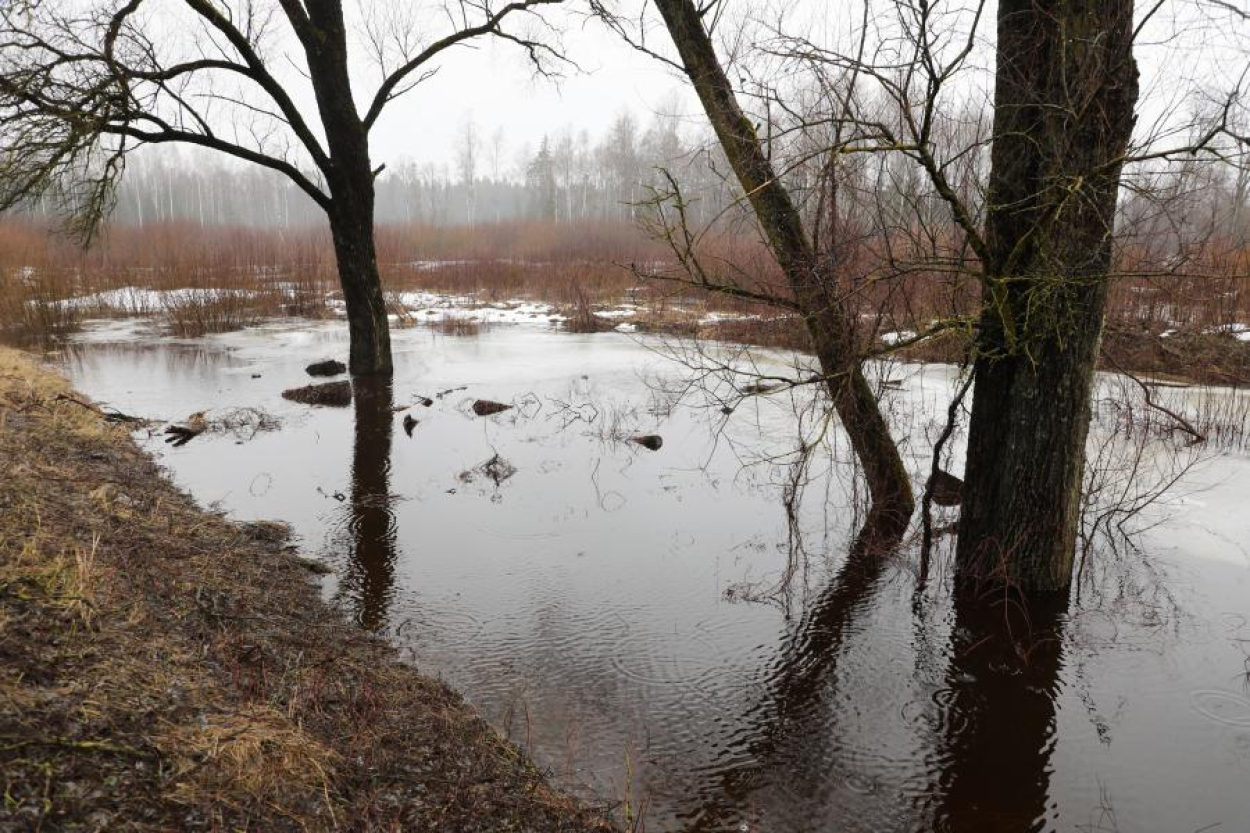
x=212 y=279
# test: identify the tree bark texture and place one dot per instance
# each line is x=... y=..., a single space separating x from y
x=1066 y=87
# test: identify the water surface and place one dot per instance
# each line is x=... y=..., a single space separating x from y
x=622 y=614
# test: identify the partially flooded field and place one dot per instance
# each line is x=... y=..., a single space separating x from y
x=664 y=629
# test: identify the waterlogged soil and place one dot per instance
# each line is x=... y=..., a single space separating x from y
x=655 y=628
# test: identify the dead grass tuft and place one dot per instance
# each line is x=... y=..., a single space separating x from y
x=257 y=753
x=457 y=326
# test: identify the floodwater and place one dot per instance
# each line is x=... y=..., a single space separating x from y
x=656 y=629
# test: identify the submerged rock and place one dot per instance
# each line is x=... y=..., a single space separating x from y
x=330 y=394
x=485 y=407
x=329 y=367
x=651 y=442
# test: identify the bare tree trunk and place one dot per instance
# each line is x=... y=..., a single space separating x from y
x=1066 y=88
x=828 y=321
x=351 y=208
x=352 y=231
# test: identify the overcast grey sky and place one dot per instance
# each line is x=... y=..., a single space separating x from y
x=1189 y=47
x=495 y=85
x=1191 y=51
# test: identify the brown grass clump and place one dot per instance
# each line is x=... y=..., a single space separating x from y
x=1208 y=357
x=457 y=326
x=165 y=669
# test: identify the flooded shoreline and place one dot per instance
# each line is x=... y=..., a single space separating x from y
x=612 y=609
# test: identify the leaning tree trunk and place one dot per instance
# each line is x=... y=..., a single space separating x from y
x=350 y=181
x=829 y=323
x=1065 y=91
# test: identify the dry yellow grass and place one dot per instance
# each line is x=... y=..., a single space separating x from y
x=164 y=669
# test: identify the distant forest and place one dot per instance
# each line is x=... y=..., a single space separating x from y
x=573 y=176
x=569 y=176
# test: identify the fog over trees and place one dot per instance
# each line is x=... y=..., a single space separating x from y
x=568 y=174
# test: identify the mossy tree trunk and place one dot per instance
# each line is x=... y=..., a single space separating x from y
x=1066 y=87
x=829 y=322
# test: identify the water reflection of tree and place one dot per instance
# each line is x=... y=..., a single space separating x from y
x=802 y=676
x=999 y=720
x=368 y=580
x=993 y=729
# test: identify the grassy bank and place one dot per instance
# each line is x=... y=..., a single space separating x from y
x=163 y=668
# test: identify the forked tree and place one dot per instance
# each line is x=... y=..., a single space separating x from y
x=84 y=84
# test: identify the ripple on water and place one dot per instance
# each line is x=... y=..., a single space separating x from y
x=688 y=661
x=1223 y=707
x=432 y=627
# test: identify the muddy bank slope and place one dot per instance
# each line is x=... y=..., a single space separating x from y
x=162 y=668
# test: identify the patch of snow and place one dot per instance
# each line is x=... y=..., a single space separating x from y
x=432 y=307
x=721 y=317
x=1241 y=332
x=895 y=338
x=134 y=300
x=431 y=265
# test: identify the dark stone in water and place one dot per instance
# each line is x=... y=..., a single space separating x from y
x=329 y=367
x=649 y=441
x=948 y=490
x=331 y=394
x=485 y=407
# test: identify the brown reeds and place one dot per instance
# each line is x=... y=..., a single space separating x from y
x=213 y=279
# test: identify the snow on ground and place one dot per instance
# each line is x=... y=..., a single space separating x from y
x=623 y=311
x=722 y=317
x=424 y=307
x=1241 y=332
x=895 y=338
x=431 y=265
x=133 y=299
x=432 y=307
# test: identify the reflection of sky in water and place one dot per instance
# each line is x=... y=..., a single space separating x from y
x=581 y=603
